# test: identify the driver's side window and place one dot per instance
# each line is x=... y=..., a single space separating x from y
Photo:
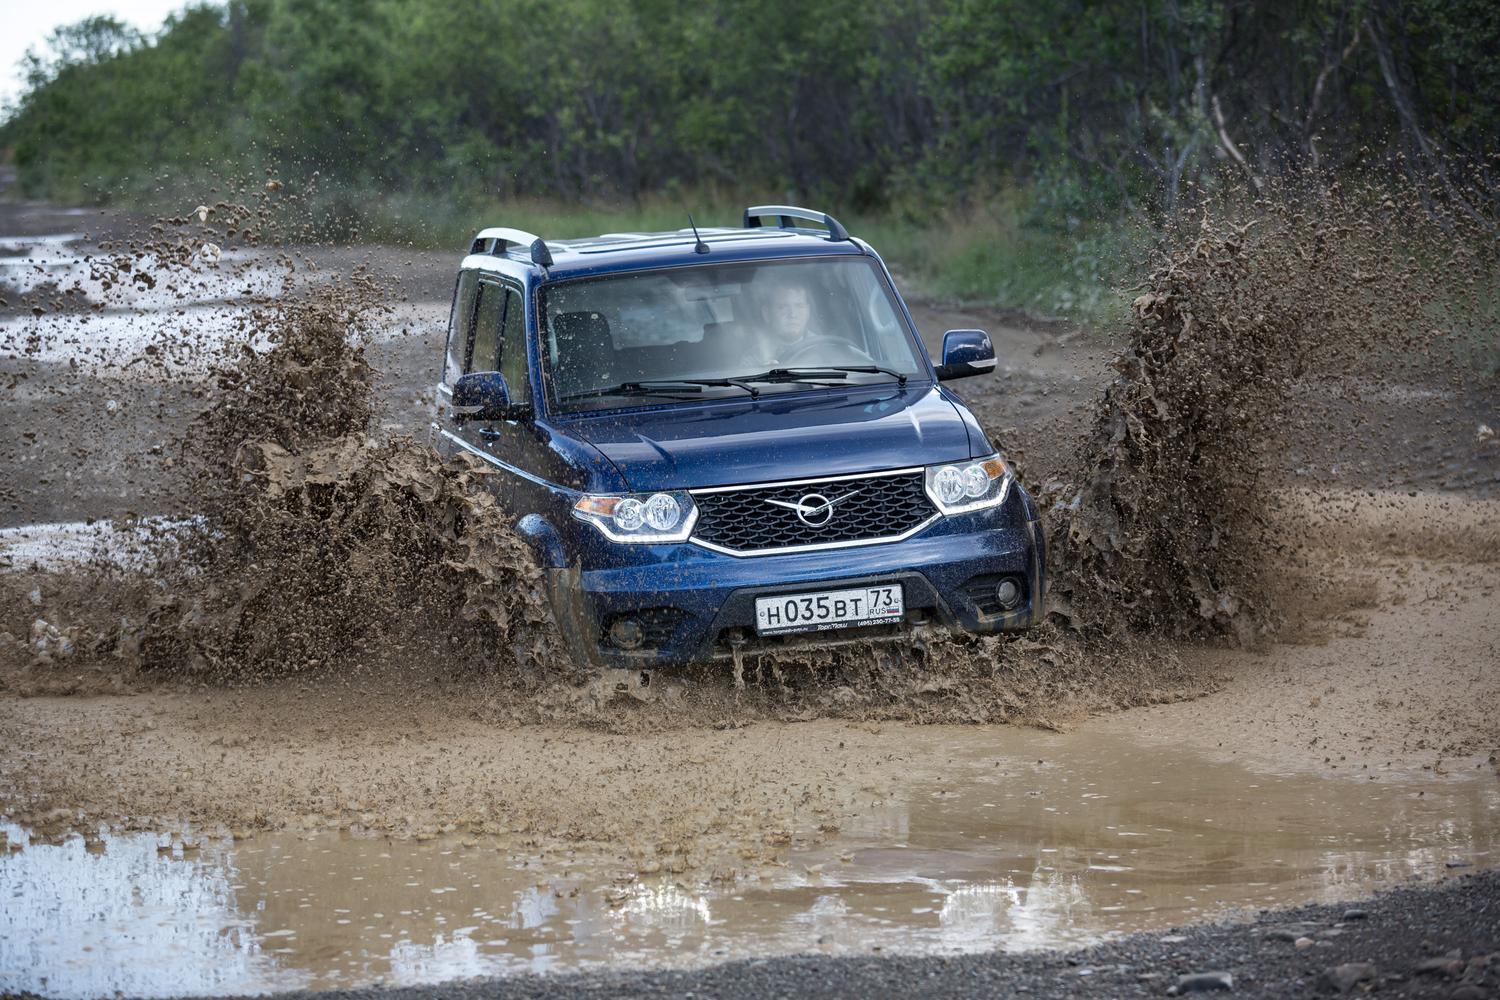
x=460 y=326
x=485 y=356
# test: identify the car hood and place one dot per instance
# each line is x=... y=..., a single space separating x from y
x=799 y=436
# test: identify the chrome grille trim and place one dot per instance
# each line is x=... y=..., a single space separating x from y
x=818 y=546
x=899 y=526
x=809 y=482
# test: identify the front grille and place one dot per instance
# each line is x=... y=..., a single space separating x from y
x=868 y=508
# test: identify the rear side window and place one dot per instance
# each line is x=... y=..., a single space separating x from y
x=485 y=357
x=460 y=326
x=513 y=349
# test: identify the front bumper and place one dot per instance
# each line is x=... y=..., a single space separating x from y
x=692 y=604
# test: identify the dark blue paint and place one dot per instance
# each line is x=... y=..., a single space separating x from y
x=485 y=390
x=966 y=353
x=967 y=347
x=827 y=432
x=551 y=459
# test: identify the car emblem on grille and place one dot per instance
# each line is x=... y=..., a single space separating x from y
x=813 y=509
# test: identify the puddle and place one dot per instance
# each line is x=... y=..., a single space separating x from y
x=66 y=545
x=151 y=345
x=53 y=243
x=130 y=345
x=29 y=263
x=1020 y=840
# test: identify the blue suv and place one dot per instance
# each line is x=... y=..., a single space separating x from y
x=731 y=439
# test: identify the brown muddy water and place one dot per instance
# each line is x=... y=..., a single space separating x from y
x=1022 y=840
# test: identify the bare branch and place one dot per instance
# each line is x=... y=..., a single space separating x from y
x=1316 y=101
x=1399 y=96
x=1229 y=146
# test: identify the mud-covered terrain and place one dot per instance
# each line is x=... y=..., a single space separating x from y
x=1294 y=566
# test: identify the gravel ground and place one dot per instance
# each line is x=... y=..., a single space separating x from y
x=1428 y=941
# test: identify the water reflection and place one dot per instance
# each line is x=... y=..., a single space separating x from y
x=1020 y=840
x=126 y=918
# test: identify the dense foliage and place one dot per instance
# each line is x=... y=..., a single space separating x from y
x=1094 y=105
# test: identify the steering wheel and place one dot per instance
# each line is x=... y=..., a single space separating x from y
x=852 y=354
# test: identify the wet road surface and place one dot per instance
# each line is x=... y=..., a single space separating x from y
x=1022 y=840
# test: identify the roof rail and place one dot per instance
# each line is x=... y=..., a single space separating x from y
x=499 y=240
x=786 y=213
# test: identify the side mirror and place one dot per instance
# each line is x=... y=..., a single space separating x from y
x=482 y=396
x=965 y=353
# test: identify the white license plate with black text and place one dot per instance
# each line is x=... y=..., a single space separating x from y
x=829 y=609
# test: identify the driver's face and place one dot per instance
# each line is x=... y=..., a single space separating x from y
x=790 y=312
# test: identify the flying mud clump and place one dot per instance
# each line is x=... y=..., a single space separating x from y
x=1260 y=315
x=318 y=545
x=301 y=541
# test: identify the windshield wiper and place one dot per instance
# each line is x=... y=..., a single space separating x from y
x=664 y=387
x=823 y=372
x=900 y=377
x=793 y=375
x=682 y=386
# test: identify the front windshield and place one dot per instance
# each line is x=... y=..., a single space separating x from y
x=621 y=340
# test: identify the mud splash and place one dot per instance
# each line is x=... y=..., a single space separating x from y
x=345 y=554
x=1259 y=317
x=310 y=543
x=320 y=545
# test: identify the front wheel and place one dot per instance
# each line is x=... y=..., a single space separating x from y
x=575 y=623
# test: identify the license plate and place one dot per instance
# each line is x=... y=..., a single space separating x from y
x=829 y=609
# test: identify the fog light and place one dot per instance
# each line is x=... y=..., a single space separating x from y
x=626 y=633
x=1007 y=593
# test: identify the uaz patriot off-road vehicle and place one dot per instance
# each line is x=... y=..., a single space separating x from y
x=714 y=440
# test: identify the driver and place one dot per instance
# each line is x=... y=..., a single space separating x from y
x=788 y=320
x=788 y=313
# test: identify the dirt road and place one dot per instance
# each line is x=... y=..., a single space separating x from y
x=1387 y=669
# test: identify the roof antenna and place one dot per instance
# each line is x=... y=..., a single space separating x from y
x=699 y=246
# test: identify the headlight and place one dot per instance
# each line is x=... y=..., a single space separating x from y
x=643 y=517
x=966 y=486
